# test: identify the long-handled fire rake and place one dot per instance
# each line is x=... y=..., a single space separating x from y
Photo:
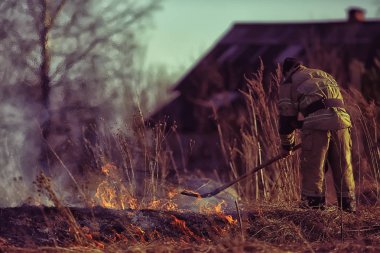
x=225 y=186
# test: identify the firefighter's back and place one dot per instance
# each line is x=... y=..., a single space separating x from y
x=318 y=97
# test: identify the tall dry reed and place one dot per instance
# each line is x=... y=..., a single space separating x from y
x=145 y=159
x=259 y=140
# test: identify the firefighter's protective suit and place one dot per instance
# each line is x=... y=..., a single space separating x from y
x=325 y=133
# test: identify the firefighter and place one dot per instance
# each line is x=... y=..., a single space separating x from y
x=325 y=133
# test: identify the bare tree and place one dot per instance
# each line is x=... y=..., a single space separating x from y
x=64 y=62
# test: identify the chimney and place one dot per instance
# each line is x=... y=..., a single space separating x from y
x=356 y=14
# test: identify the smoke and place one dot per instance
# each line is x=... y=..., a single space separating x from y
x=203 y=185
x=91 y=52
x=20 y=148
x=18 y=152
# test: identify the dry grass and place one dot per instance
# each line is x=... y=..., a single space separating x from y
x=260 y=141
x=267 y=228
x=145 y=159
x=142 y=161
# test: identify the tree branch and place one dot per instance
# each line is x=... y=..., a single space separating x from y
x=135 y=14
x=56 y=12
x=34 y=15
x=75 y=57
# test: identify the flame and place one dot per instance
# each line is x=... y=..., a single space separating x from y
x=172 y=193
x=218 y=207
x=132 y=202
x=88 y=234
x=218 y=210
x=182 y=225
x=111 y=192
x=106 y=195
x=230 y=219
x=106 y=169
x=170 y=206
x=154 y=204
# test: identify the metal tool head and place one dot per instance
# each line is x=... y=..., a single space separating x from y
x=191 y=194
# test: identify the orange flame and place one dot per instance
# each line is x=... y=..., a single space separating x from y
x=172 y=193
x=182 y=225
x=170 y=206
x=218 y=207
x=220 y=213
x=154 y=204
x=106 y=169
x=230 y=219
x=87 y=233
x=132 y=202
x=218 y=210
x=106 y=195
x=111 y=192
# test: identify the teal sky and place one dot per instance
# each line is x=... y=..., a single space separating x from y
x=185 y=29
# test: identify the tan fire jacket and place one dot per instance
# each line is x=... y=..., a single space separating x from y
x=302 y=87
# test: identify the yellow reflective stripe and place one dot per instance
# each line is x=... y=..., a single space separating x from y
x=321 y=87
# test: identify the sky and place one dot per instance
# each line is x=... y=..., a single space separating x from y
x=183 y=30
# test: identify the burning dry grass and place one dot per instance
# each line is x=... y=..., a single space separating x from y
x=132 y=170
x=130 y=206
x=266 y=228
x=29 y=226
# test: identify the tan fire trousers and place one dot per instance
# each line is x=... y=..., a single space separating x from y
x=334 y=147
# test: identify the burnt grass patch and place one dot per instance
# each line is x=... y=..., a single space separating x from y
x=265 y=229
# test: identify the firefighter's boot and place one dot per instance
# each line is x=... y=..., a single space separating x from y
x=347 y=204
x=313 y=202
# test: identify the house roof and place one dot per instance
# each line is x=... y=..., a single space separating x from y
x=246 y=42
x=240 y=49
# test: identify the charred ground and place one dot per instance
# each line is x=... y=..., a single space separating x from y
x=265 y=228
